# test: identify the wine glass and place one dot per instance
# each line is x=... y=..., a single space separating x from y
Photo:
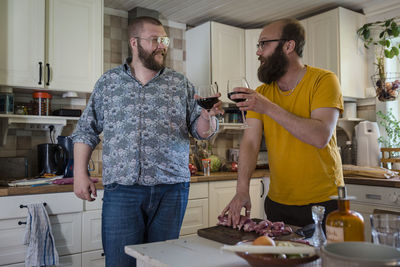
x=232 y=84
x=207 y=100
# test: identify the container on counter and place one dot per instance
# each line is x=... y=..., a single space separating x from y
x=42 y=103
x=6 y=100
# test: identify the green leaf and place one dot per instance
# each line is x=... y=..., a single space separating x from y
x=387 y=53
x=395 y=51
x=396 y=32
x=367 y=34
x=382 y=42
x=387 y=43
x=381 y=34
x=387 y=22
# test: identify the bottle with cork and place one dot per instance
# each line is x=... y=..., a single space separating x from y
x=344 y=224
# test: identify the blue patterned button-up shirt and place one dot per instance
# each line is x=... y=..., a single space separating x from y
x=146 y=128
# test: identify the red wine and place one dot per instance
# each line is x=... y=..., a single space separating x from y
x=207 y=102
x=237 y=100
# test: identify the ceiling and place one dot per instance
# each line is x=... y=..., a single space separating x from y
x=242 y=13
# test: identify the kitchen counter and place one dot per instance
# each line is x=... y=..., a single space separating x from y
x=216 y=176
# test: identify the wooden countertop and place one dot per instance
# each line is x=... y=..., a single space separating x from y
x=217 y=176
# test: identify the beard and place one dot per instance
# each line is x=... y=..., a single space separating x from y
x=273 y=67
x=148 y=59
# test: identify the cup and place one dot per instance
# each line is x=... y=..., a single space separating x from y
x=385 y=229
x=206 y=166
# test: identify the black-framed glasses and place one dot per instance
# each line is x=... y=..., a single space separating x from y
x=261 y=44
x=157 y=40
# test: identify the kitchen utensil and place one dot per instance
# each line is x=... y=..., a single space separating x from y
x=367 y=134
x=67 y=144
x=270 y=249
x=359 y=254
x=51 y=159
x=271 y=260
x=385 y=229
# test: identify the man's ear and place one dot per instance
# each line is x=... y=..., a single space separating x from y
x=290 y=46
x=132 y=42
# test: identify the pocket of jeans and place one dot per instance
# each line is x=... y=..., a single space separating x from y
x=111 y=187
x=185 y=185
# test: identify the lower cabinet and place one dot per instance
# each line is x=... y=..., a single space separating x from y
x=93 y=259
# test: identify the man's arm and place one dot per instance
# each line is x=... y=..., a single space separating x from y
x=83 y=186
x=316 y=130
x=249 y=148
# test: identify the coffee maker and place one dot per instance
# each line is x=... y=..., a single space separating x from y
x=66 y=143
x=51 y=159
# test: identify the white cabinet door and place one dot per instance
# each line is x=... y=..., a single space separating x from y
x=93 y=259
x=75 y=44
x=22 y=35
x=222 y=192
x=65 y=261
x=227 y=54
x=12 y=249
x=67 y=230
x=196 y=216
x=91 y=230
x=332 y=44
x=252 y=62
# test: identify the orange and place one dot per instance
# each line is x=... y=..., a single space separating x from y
x=264 y=241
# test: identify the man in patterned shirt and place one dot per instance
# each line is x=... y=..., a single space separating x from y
x=146 y=113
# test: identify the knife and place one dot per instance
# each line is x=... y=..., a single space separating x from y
x=271 y=249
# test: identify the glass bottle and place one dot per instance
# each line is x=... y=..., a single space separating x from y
x=344 y=224
x=318 y=239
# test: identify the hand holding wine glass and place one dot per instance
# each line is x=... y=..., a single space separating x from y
x=208 y=98
x=232 y=84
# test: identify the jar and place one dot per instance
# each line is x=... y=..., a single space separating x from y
x=6 y=101
x=21 y=109
x=42 y=103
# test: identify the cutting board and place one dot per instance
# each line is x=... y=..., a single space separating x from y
x=228 y=235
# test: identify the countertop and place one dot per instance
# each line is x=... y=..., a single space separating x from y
x=217 y=176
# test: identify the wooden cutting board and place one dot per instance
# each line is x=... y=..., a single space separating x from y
x=228 y=235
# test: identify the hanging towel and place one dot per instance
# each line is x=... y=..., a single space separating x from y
x=39 y=238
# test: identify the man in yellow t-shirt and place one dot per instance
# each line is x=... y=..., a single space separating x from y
x=297 y=107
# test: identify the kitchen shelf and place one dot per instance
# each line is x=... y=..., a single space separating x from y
x=230 y=126
x=10 y=120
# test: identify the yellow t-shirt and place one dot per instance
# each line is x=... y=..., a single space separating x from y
x=301 y=173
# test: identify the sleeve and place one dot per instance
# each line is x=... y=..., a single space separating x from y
x=90 y=124
x=194 y=111
x=327 y=93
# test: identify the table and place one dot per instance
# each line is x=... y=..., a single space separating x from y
x=187 y=251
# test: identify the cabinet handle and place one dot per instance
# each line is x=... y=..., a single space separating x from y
x=48 y=73
x=102 y=254
x=216 y=86
x=19 y=222
x=40 y=73
x=263 y=190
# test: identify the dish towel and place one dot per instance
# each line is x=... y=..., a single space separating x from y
x=39 y=238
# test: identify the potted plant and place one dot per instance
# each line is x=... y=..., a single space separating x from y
x=380 y=34
x=390 y=143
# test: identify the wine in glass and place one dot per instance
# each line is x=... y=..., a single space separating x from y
x=232 y=84
x=207 y=100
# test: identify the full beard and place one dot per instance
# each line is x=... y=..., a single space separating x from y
x=273 y=67
x=148 y=59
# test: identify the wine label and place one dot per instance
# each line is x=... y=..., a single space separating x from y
x=334 y=234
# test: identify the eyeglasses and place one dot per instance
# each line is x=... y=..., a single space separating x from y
x=261 y=44
x=158 y=40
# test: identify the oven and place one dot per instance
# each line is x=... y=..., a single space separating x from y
x=373 y=199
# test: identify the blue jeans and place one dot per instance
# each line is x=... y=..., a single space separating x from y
x=137 y=214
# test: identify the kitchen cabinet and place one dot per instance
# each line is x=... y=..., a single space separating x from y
x=196 y=215
x=252 y=63
x=76 y=226
x=215 y=53
x=42 y=47
x=222 y=192
x=332 y=43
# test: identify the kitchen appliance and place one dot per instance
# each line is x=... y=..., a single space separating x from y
x=67 y=112
x=368 y=153
x=373 y=199
x=51 y=159
x=68 y=146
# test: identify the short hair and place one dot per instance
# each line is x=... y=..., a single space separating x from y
x=293 y=30
x=136 y=25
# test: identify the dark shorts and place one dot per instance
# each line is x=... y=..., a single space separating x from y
x=296 y=215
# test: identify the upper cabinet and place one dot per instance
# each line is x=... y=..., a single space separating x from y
x=51 y=44
x=332 y=43
x=215 y=53
x=252 y=63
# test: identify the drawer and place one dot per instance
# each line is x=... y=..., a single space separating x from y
x=57 y=203
x=198 y=190
x=96 y=204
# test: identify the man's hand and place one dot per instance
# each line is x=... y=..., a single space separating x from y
x=216 y=109
x=84 y=188
x=241 y=199
x=254 y=101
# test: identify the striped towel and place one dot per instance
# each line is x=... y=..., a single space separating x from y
x=39 y=238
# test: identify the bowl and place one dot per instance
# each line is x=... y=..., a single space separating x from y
x=262 y=260
x=359 y=254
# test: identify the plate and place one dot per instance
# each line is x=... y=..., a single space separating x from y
x=262 y=260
